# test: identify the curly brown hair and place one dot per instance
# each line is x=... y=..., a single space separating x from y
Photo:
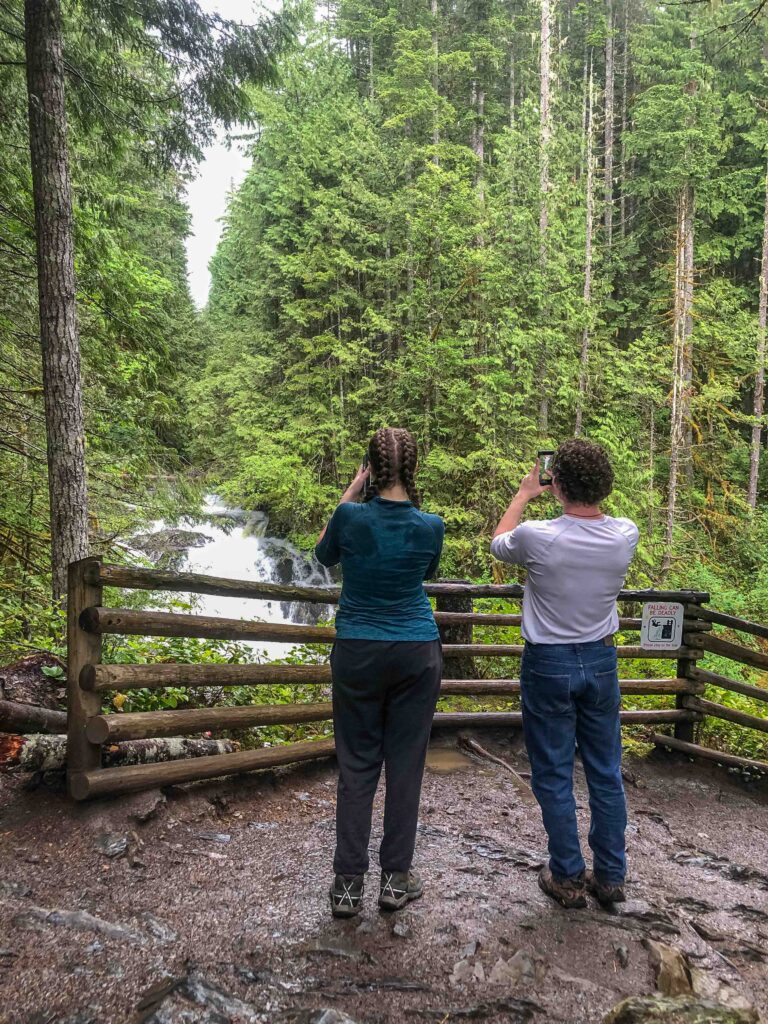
x=393 y=454
x=582 y=471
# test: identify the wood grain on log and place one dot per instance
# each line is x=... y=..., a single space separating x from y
x=146 y=623
x=145 y=776
x=30 y=718
x=132 y=577
x=745 y=656
x=709 y=707
x=141 y=724
x=514 y=719
x=694 y=750
x=724 y=683
x=35 y=753
x=743 y=625
x=138 y=677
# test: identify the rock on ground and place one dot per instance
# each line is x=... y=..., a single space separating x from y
x=678 y=1010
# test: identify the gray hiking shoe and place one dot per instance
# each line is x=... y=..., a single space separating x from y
x=347 y=895
x=398 y=888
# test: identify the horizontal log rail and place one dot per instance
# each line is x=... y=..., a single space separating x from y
x=135 y=578
x=141 y=623
x=86 y=785
x=733 y=622
x=710 y=707
x=89 y=620
x=514 y=719
x=694 y=750
x=141 y=725
x=97 y=782
x=690 y=625
x=516 y=651
x=125 y=621
x=702 y=676
x=726 y=649
x=185 y=721
x=122 y=678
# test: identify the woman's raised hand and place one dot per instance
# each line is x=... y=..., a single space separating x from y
x=355 y=489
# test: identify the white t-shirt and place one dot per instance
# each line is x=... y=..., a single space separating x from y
x=576 y=567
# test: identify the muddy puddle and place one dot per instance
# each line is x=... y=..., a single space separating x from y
x=447 y=760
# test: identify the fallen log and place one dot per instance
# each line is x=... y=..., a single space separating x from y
x=41 y=753
x=15 y=717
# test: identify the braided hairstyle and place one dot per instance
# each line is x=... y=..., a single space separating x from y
x=393 y=454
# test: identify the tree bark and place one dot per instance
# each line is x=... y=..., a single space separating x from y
x=679 y=449
x=623 y=143
x=584 y=357
x=435 y=81
x=15 y=717
x=545 y=133
x=758 y=407
x=59 y=337
x=545 y=127
x=49 y=753
x=609 y=90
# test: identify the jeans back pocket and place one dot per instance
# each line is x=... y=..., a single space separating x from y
x=545 y=693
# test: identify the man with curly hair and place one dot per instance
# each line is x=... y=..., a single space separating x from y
x=569 y=680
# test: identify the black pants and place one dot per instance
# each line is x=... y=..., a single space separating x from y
x=384 y=696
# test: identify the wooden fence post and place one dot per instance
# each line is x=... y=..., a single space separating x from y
x=82 y=649
x=463 y=667
x=686 y=667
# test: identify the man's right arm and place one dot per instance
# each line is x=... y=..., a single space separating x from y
x=511 y=546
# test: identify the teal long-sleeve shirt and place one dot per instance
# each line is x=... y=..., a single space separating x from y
x=386 y=550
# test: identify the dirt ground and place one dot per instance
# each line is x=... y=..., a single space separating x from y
x=215 y=908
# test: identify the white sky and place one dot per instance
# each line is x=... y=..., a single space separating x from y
x=222 y=169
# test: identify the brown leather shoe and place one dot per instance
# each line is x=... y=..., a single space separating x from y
x=604 y=893
x=568 y=892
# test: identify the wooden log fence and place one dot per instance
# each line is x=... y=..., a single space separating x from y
x=89 y=679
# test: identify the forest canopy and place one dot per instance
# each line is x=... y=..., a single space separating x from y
x=498 y=224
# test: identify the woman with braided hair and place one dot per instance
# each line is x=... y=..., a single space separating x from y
x=386 y=665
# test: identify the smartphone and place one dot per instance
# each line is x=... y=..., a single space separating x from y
x=545 y=457
x=369 y=488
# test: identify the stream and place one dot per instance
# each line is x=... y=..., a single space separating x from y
x=236 y=544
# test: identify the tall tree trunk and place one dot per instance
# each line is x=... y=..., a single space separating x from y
x=686 y=352
x=759 y=400
x=435 y=81
x=545 y=127
x=623 y=144
x=679 y=449
x=584 y=360
x=512 y=84
x=545 y=133
x=59 y=337
x=609 y=89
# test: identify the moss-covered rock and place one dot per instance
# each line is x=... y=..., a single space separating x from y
x=679 y=1010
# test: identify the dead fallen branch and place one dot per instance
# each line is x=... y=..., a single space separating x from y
x=526 y=794
x=41 y=753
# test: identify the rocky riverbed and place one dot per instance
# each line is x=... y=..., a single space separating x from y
x=208 y=904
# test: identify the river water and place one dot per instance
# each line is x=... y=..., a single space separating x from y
x=236 y=544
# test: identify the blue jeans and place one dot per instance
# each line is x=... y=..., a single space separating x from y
x=571 y=697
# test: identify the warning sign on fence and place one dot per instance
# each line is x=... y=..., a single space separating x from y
x=662 y=627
